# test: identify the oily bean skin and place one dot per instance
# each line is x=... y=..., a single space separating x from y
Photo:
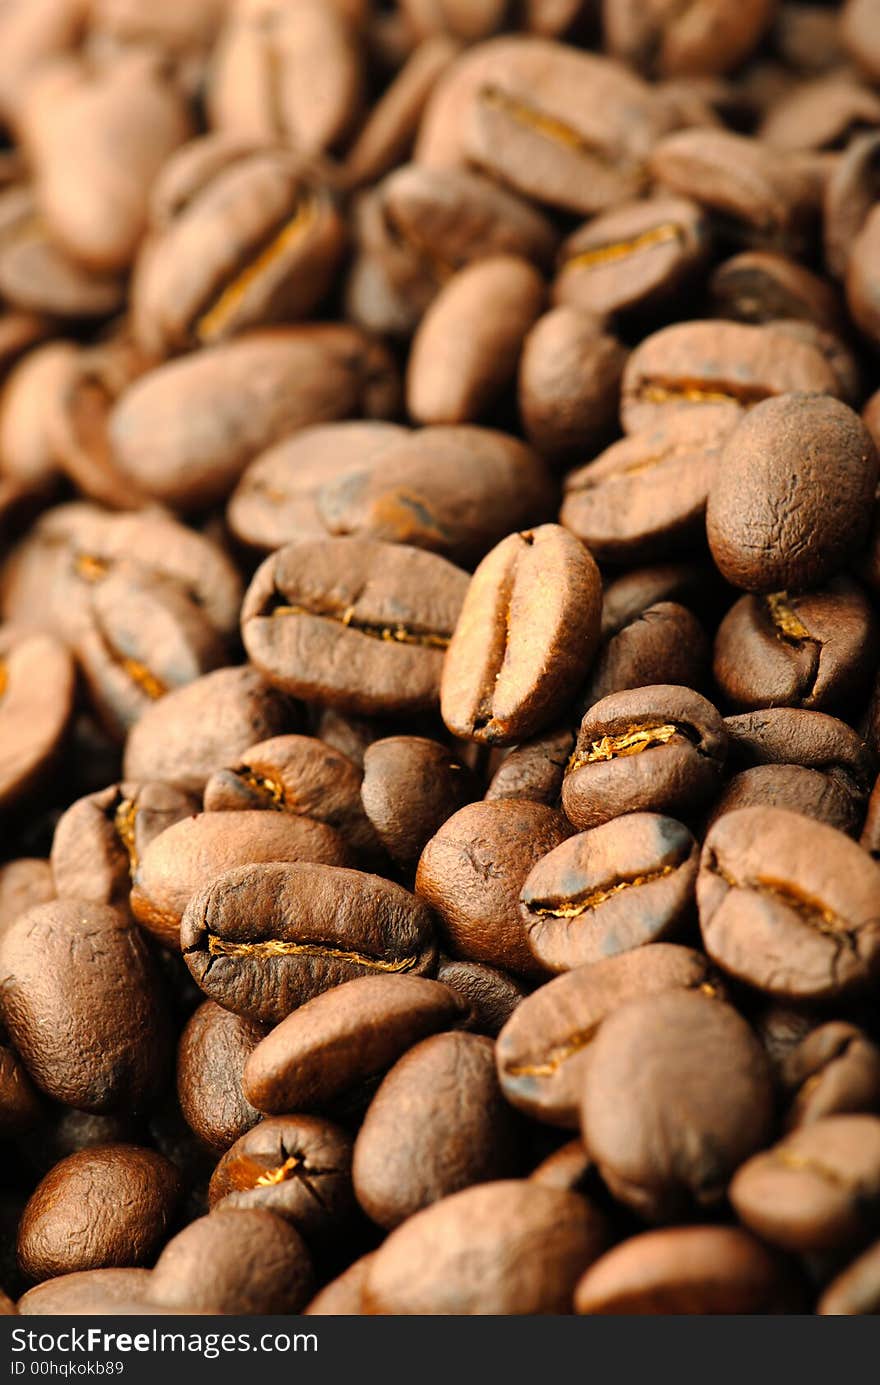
x=687 y=1270
x=817 y=1190
x=782 y=735
x=410 y=787
x=791 y=787
x=569 y=383
x=213 y=1049
x=264 y=939
x=185 y=857
x=471 y=872
x=103 y=1207
x=437 y=1124
x=83 y=1004
x=476 y=1253
x=525 y=637
x=835 y=1070
x=37 y=677
x=534 y=770
x=677 y=1094
x=818 y=470
x=603 y=892
x=664 y=643
x=491 y=994
x=354 y=623
x=814 y=650
x=789 y=905
x=350 y=1033
x=659 y=748
x=238 y=1261
x=298 y=1167
x=544 y=1049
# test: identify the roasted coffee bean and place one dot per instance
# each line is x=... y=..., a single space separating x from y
x=718 y=369
x=126 y=1198
x=690 y=1270
x=352 y=622
x=491 y=994
x=856 y=1290
x=83 y=971
x=658 y=39
x=789 y=905
x=36 y=706
x=338 y=1040
x=568 y=1168
x=628 y=595
x=525 y=638
x=263 y=939
x=37 y=275
x=285 y=73
x=818 y=469
x=213 y=1049
x=565 y=127
x=569 y=383
x=20 y=1105
x=184 y=858
x=835 y=1070
x=818 y=1189
x=792 y=787
x=755 y=195
x=645 y=496
x=466 y=1254
x=471 y=873
x=342 y=1296
x=534 y=770
x=760 y=286
x=862 y=273
x=467 y=347
x=813 y=650
x=858 y=27
x=298 y=1167
x=410 y=787
x=850 y=193
x=821 y=114
x=659 y=748
x=544 y=1049
x=24 y=442
x=677 y=1094
x=437 y=1124
x=870 y=838
x=84 y=1291
x=664 y=643
x=635 y=257
x=241 y=236
x=100 y=840
x=295 y=376
x=23 y=883
x=783 y=735
x=237 y=1261
x=626 y=883
x=299 y=775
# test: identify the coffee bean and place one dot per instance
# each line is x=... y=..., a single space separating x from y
x=568 y=1168
x=569 y=383
x=20 y=1105
x=856 y=1290
x=37 y=687
x=818 y=1189
x=527 y=632
x=213 y=1049
x=628 y=882
x=465 y=1254
x=126 y=1196
x=343 y=1295
x=83 y=970
x=664 y=643
x=23 y=883
x=349 y=1034
x=471 y=873
x=835 y=1070
x=658 y=748
x=676 y=1095
x=298 y=1167
x=791 y=787
x=263 y=939
x=545 y=1047
x=789 y=905
x=360 y=624
x=859 y=34
x=850 y=193
x=491 y=995
x=862 y=272
x=437 y=1124
x=84 y=1291
x=534 y=770
x=760 y=286
x=653 y=38
x=410 y=787
x=241 y=1261
x=690 y=1270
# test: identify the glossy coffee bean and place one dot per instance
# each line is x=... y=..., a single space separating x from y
x=534 y=769
x=664 y=643
x=659 y=748
x=338 y=1040
x=37 y=679
x=569 y=383
x=526 y=635
x=544 y=1049
x=626 y=883
x=491 y=995
x=794 y=788
x=126 y=1196
x=835 y=1070
x=410 y=787
x=785 y=904
x=213 y=1049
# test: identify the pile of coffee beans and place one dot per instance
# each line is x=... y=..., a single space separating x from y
x=439 y=697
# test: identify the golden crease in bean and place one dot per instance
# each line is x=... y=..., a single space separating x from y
x=277 y=947
x=215 y=320
x=663 y=234
x=548 y=126
x=555 y=1057
x=574 y=908
x=262 y=784
x=145 y=680
x=4 y=679
x=813 y=915
x=90 y=568
x=785 y=618
x=688 y=394
x=124 y=822
x=628 y=743
x=394 y=634
x=272 y=1177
